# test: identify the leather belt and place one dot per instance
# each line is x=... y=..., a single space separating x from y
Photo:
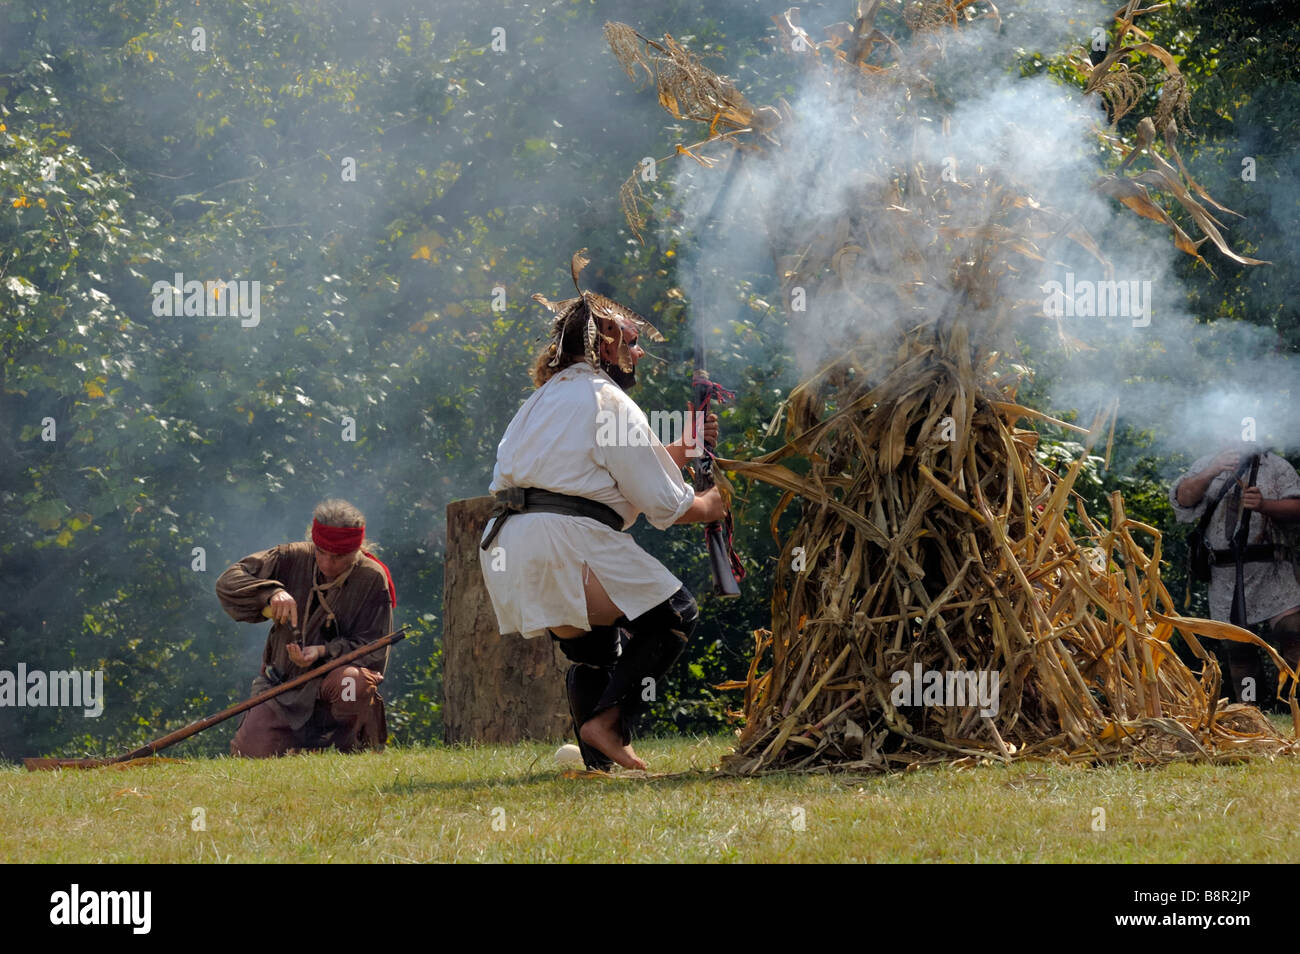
x=1254 y=553
x=534 y=500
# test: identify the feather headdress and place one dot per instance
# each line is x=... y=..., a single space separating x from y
x=604 y=316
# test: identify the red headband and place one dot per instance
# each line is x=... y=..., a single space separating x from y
x=341 y=540
x=338 y=540
x=392 y=590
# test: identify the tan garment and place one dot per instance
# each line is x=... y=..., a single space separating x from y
x=342 y=617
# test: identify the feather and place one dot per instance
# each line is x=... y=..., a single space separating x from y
x=589 y=339
x=605 y=318
x=576 y=265
x=553 y=307
x=608 y=308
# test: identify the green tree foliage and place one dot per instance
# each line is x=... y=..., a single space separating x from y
x=218 y=141
x=140 y=139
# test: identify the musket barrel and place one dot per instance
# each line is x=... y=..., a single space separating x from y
x=194 y=728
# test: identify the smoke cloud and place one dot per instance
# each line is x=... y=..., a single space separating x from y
x=1188 y=386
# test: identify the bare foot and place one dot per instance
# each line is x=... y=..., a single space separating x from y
x=602 y=733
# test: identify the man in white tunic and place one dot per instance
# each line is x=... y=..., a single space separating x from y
x=577 y=465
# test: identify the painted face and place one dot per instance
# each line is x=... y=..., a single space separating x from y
x=609 y=357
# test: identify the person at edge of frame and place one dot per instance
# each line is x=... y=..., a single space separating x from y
x=1271 y=591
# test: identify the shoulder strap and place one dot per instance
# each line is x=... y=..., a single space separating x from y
x=1223 y=492
x=1209 y=510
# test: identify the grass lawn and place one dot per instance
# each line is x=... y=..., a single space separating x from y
x=512 y=804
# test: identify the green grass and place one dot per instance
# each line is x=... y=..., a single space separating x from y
x=439 y=804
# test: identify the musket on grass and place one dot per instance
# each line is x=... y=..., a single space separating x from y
x=194 y=728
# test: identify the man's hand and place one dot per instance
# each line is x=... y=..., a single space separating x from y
x=283 y=608
x=705 y=508
x=710 y=430
x=1226 y=461
x=688 y=447
x=304 y=655
x=1192 y=489
x=1252 y=499
x=714 y=508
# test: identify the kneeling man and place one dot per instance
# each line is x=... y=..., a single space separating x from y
x=325 y=597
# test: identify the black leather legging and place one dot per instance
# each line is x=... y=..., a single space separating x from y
x=645 y=649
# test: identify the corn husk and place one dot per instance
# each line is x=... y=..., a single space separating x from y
x=929 y=534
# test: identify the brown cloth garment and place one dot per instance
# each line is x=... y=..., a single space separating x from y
x=343 y=614
x=351 y=719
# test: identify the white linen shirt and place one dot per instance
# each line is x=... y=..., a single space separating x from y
x=580 y=434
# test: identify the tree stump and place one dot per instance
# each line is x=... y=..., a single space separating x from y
x=495 y=688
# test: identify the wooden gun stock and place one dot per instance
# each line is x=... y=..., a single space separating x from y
x=724 y=581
